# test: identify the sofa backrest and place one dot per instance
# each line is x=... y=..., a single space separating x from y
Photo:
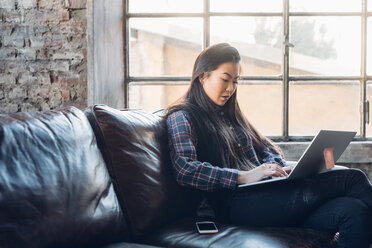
x=55 y=190
x=135 y=146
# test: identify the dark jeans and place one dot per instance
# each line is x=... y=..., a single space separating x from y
x=334 y=201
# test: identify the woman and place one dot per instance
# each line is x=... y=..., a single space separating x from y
x=214 y=148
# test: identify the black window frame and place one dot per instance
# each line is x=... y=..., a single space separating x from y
x=284 y=77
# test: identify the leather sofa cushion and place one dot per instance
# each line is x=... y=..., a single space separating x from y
x=135 y=147
x=55 y=190
x=183 y=233
x=129 y=245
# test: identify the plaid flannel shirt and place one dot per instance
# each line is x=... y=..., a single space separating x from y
x=203 y=175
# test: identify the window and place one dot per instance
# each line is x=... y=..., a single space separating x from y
x=306 y=64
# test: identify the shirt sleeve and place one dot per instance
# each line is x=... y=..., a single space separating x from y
x=270 y=155
x=186 y=167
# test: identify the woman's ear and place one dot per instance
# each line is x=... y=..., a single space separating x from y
x=201 y=78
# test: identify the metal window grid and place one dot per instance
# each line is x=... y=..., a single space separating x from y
x=284 y=77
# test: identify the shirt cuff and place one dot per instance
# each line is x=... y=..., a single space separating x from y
x=280 y=161
x=229 y=178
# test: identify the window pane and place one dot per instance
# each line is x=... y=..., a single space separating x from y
x=325 y=5
x=246 y=6
x=369 y=3
x=164 y=46
x=369 y=45
x=269 y=95
x=259 y=42
x=165 y=6
x=323 y=105
x=325 y=46
x=154 y=97
x=261 y=102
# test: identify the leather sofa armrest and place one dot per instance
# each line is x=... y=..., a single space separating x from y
x=129 y=245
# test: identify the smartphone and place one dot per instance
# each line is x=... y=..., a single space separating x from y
x=206 y=227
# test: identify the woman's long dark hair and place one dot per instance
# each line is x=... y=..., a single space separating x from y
x=204 y=109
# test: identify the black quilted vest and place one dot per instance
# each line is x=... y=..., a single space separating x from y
x=207 y=151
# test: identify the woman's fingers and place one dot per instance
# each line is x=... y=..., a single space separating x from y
x=279 y=172
x=276 y=170
x=288 y=169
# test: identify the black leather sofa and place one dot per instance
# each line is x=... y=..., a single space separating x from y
x=102 y=179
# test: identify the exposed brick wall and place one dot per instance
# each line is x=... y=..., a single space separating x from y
x=43 y=54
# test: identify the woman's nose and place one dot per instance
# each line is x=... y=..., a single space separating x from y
x=230 y=87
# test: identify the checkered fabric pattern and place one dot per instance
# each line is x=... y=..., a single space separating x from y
x=203 y=175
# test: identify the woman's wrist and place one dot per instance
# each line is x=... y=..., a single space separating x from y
x=250 y=176
x=241 y=176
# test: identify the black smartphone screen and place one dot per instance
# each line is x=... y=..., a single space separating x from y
x=206 y=226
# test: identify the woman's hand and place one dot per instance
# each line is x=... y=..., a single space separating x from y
x=261 y=172
x=288 y=168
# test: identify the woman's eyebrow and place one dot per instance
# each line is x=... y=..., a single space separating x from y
x=230 y=75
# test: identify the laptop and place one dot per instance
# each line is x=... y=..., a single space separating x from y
x=312 y=160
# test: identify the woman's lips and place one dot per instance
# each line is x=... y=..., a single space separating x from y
x=225 y=97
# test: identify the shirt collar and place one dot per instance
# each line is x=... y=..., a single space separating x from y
x=220 y=110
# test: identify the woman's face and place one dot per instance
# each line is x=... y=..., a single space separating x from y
x=221 y=83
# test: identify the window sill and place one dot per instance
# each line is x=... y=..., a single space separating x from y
x=356 y=152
